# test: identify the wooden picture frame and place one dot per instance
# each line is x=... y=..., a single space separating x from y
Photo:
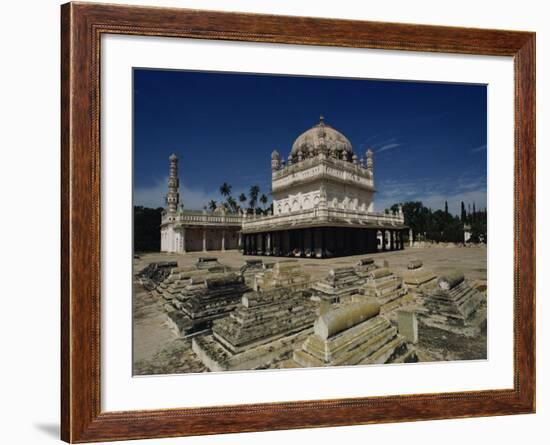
x=82 y=26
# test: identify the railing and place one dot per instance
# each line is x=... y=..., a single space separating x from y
x=318 y=169
x=326 y=214
x=199 y=217
x=318 y=160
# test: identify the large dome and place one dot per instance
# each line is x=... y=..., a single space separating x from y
x=309 y=141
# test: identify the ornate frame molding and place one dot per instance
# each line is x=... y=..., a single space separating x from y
x=81 y=28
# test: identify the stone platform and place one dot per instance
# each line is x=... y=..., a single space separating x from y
x=418 y=277
x=250 y=268
x=154 y=273
x=266 y=356
x=338 y=286
x=286 y=273
x=261 y=328
x=354 y=334
x=453 y=305
x=364 y=266
x=198 y=304
x=178 y=279
x=386 y=287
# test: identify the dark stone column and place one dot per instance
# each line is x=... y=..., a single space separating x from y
x=312 y=233
x=384 y=240
x=392 y=236
x=291 y=242
x=398 y=238
x=373 y=240
x=322 y=242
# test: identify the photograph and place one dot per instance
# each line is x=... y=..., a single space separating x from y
x=284 y=221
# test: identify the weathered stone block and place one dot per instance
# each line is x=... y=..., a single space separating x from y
x=407 y=325
x=338 y=286
x=351 y=335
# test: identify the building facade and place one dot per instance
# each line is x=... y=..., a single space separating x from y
x=184 y=231
x=322 y=197
x=322 y=203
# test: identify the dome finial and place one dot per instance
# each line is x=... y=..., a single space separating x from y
x=321 y=119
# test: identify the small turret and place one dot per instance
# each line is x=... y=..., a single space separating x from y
x=275 y=160
x=370 y=162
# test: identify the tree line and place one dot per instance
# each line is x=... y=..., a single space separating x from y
x=147 y=229
x=441 y=225
x=247 y=203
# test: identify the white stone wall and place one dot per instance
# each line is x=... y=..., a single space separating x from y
x=173 y=241
x=307 y=196
x=304 y=197
x=167 y=239
x=347 y=197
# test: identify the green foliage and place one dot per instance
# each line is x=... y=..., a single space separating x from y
x=147 y=229
x=225 y=189
x=232 y=205
x=440 y=225
x=253 y=196
x=479 y=230
x=263 y=199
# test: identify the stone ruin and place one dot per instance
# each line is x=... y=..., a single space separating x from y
x=205 y=299
x=262 y=330
x=287 y=273
x=386 y=287
x=453 y=305
x=183 y=281
x=364 y=266
x=154 y=273
x=418 y=277
x=354 y=334
x=338 y=286
x=211 y=264
x=249 y=270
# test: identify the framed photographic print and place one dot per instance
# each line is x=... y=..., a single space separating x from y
x=279 y=222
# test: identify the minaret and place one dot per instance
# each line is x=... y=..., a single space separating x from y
x=173 y=196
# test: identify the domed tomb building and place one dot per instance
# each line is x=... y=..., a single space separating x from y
x=322 y=203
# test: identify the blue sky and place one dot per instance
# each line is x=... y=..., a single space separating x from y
x=429 y=139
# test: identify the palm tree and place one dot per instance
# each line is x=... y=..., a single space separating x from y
x=232 y=204
x=212 y=205
x=263 y=200
x=253 y=195
x=225 y=189
x=242 y=199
